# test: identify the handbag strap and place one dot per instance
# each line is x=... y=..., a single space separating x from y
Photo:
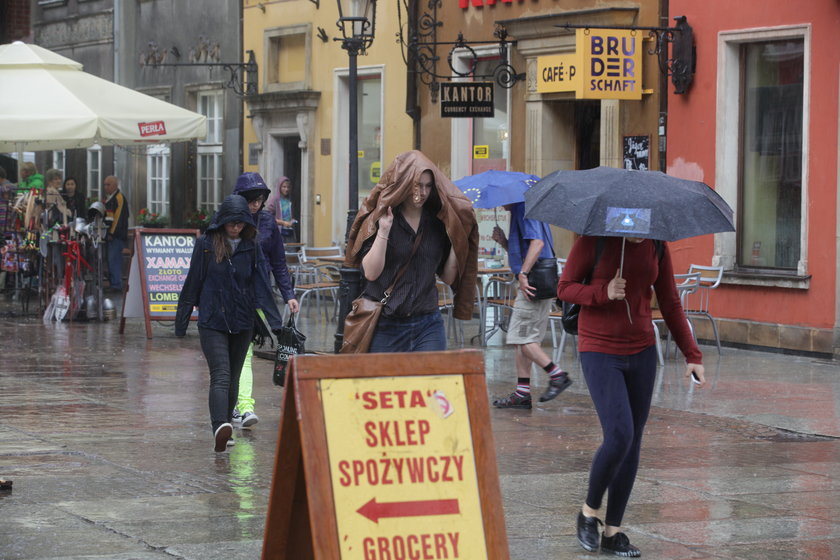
x=403 y=268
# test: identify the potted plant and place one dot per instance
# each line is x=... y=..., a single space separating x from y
x=198 y=219
x=150 y=219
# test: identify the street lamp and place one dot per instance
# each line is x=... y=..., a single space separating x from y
x=357 y=22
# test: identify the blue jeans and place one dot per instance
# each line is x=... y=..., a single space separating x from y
x=621 y=388
x=420 y=333
x=225 y=354
x=115 y=249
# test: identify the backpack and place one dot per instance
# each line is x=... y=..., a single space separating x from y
x=572 y=310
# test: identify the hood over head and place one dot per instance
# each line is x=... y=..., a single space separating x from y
x=395 y=186
x=234 y=208
x=251 y=185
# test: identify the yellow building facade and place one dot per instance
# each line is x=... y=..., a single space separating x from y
x=297 y=124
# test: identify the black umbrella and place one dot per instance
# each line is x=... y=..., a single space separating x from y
x=606 y=201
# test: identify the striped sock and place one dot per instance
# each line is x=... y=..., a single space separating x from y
x=553 y=371
x=523 y=387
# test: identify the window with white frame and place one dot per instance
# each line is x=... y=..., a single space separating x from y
x=210 y=152
x=491 y=132
x=94 y=172
x=157 y=179
x=58 y=161
x=761 y=148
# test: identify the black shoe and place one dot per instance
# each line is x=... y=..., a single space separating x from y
x=514 y=400
x=587 y=532
x=619 y=545
x=556 y=386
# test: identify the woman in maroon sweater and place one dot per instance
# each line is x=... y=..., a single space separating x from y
x=618 y=355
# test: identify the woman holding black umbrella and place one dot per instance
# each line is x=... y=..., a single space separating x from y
x=618 y=356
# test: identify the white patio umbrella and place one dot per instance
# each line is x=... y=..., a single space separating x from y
x=48 y=103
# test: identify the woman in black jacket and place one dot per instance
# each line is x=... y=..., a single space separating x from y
x=227 y=280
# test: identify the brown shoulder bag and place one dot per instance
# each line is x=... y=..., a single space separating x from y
x=360 y=323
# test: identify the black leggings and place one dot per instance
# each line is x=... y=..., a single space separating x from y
x=225 y=354
x=621 y=388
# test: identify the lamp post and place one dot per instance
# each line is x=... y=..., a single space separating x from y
x=357 y=22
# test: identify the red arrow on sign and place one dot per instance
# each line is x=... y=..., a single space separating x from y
x=374 y=510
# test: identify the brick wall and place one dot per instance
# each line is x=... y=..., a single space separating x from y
x=15 y=21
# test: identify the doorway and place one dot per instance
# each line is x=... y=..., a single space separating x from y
x=587 y=134
x=290 y=167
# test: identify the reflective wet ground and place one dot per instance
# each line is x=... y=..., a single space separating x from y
x=106 y=438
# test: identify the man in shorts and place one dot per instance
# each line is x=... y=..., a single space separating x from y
x=528 y=241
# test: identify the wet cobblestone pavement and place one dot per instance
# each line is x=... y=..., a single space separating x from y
x=107 y=441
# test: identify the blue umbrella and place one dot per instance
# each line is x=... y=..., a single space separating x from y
x=493 y=188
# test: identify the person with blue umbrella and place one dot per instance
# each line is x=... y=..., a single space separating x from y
x=529 y=244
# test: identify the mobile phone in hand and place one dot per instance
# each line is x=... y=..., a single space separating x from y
x=695 y=379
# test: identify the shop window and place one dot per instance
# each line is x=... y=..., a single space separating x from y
x=210 y=151
x=770 y=186
x=288 y=53
x=157 y=179
x=370 y=133
x=94 y=172
x=370 y=107
x=763 y=88
x=491 y=136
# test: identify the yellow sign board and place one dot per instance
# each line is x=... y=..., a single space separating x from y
x=380 y=457
x=481 y=152
x=559 y=72
x=375 y=171
x=402 y=467
x=611 y=63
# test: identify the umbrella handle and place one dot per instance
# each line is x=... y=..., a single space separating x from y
x=621 y=264
x=621 y=275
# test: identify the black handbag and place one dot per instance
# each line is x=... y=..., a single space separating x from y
x=570 y=317
x=290 y=342
x=543 y=278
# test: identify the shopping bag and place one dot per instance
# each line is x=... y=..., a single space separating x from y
x=290 y=342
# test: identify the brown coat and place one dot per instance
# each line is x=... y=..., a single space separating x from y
x=456 y=213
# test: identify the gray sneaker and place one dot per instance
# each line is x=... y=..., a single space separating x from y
x=249 y=419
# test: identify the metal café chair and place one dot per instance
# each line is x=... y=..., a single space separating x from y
x=446 y=306
x=697 y=303
x=318 y=279
x=687 y=284
x=499 y=295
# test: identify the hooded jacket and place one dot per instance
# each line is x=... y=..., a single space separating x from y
x=268 y=234
x=456 y=213
x=227 y=293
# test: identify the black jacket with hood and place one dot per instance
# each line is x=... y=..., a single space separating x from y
x=227 y=293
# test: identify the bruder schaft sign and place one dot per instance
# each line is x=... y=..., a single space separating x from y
x=607 y=64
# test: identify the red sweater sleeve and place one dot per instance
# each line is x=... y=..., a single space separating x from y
x=672 y=311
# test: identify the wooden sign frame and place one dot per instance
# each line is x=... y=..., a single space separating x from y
x=136 y=294
x=301 y=523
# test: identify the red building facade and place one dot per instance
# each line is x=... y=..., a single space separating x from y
x=760 y=124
